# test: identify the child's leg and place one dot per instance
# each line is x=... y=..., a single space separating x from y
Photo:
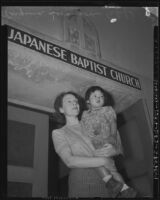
x=114 y=181
x=126 y=191
x=111 y=184
x=117 y=176
x=104 y=173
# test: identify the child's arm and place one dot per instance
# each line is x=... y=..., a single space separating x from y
x=114 y=131
x=113 y=121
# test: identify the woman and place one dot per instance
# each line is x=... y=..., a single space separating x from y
x=78 y=153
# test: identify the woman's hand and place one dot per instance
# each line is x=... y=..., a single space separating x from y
x=109 y=164
x=107 y=151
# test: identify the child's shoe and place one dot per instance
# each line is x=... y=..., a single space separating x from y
x=128 y=193
x=114 y=187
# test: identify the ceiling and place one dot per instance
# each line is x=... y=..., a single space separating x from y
x=35 y=80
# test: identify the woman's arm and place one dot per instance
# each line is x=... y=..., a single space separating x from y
x=80 y=161
x=107 y=151
x=63 y=150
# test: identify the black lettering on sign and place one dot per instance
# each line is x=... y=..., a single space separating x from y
x=30 y=41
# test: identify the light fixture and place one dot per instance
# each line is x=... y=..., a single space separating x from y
x=151 y=10
x=112 y=7
x=147 y=11
x=113 y=20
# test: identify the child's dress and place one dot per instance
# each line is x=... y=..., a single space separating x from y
x=97 y=124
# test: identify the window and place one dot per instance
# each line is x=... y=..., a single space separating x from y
x=81 y=34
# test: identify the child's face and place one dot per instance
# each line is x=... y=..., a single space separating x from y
x=96 y=99
x=70 y=105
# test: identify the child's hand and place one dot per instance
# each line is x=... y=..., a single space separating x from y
x=108 y=145
x=107 y=151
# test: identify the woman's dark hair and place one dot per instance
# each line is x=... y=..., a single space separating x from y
x=59 y=100
x=108 y=99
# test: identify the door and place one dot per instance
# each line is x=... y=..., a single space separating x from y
x=27 y=149
x=57 y=170
x=136 y=165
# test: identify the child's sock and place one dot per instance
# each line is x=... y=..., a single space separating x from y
x=124 y=187
x=106 y=178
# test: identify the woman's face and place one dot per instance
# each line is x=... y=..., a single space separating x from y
x=96 y=99
x=70 y=105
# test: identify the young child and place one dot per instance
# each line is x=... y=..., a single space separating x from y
x=99 y=123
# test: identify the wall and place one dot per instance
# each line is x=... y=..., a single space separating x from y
x=128 y=44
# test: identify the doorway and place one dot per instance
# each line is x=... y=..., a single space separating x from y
x=57 y=171
x=27 y=153
x=137 y=164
